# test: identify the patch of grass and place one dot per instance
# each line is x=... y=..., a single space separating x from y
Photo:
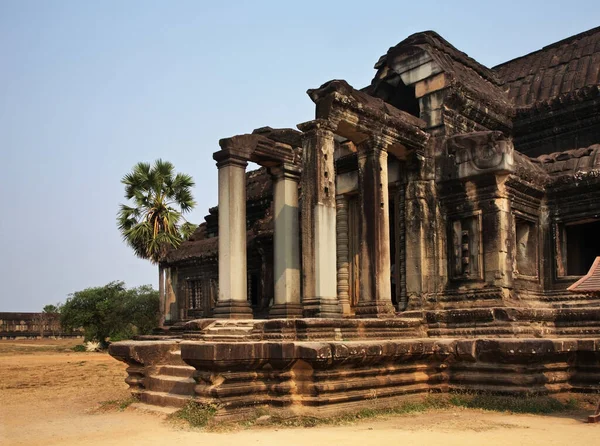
x=196 y=414
x=430 y=402
x=119 y=405
x=201 y=415
x=524 y=404
x=79 y=348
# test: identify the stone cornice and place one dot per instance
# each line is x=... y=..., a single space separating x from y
x=356 y=116
x=255 y=148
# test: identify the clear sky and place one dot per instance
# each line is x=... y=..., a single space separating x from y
x=87 y=89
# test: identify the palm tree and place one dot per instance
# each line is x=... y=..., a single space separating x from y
x=153 y=223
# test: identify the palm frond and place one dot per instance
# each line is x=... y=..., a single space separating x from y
x=159 y=198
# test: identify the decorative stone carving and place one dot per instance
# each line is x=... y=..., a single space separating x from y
x=482 y=153
x=318 y=225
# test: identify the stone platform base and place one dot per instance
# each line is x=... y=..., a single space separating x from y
x=323 y=378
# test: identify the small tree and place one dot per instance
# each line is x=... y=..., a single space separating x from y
x=111 y=312
x=153 y=223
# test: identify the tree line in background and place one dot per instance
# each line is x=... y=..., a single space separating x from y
x=110 y=312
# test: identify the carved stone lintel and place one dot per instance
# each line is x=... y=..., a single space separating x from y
x=316 y=125
x=253 y=147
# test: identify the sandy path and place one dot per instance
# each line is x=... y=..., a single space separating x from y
x=46 y=399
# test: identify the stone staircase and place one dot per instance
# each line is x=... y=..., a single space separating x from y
x=170 y=385
x=223 y=330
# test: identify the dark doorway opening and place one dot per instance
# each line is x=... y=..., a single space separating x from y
x=395 y=92
x=582 y=246
x=254 y=291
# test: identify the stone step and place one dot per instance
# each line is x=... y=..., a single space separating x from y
x=163 y=399
x=155 y=409
x=170 y=384
x=410 y=321
x=183 y=371
x=231 y=327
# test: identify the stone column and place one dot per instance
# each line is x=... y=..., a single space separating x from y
x=342 y=254
x=374 y=273
x=170 y=298
x=161 y=295
x=400 y=241
x=286 y=262
x=318 y=227
x=233 y=300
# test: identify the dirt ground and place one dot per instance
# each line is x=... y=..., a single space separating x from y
x=50 y=395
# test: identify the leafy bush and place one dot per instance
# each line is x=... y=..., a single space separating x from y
x=111 y=312
x=79 y=348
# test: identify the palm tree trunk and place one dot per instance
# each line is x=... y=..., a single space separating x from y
x=161 y=294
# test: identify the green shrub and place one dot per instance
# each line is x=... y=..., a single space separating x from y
x=196 y=414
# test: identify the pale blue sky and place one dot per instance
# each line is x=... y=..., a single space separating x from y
x=87 y=89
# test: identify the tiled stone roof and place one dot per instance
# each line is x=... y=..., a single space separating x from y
x=590 y=283
x=571 y=161
x=555 y=70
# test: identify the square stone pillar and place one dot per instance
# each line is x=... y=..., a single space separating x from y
x=375 y=286
x=286 y=262
x=233 y=300
x=318 y=225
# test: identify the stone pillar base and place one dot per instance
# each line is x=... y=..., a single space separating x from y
x=233 y=309
x=346 y=308
x=323 y=308
x=375 y=309
x=285 y=311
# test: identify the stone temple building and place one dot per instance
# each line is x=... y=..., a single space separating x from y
x=419 y=234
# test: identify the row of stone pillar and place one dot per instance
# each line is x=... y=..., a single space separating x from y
x=324 y=262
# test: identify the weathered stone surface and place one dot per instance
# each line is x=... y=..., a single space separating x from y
x=467 y=196
x=329 y=377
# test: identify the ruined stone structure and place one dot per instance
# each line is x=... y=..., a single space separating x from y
x=33 y=325
x=419 y=234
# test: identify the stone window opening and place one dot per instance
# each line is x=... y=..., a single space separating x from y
x=578 y=244
x=466 y=254
x=194 y=291
x=526 y=246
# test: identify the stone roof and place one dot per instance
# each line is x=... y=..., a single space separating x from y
x=463 y=71
x=590 y=283
x=571 y=162
x=445 y=52
x=557 y=69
